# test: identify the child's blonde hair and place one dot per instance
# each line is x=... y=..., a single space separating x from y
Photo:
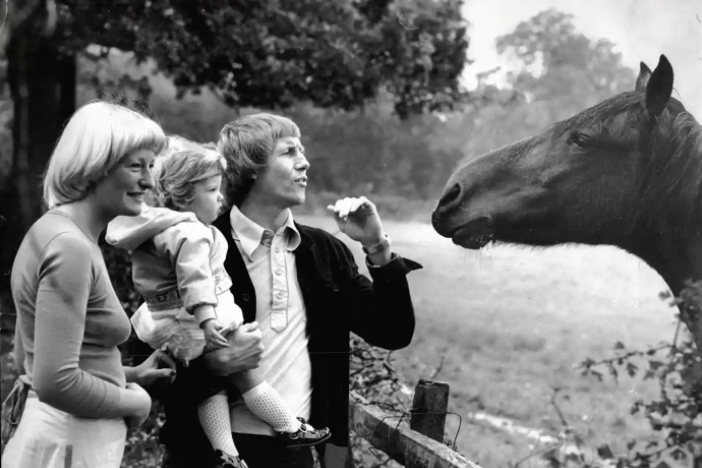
x=184 y=165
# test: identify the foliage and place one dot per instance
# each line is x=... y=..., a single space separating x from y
x=559 y=63
x=143 y=449
x=276 y=53
x=6 y=114
x=6 y=320
x=377 y=154
x=374 y=378
x=676 y=415
x=374 y=152
x=420 y=45
x=557 y=72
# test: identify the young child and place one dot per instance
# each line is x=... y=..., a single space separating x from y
x=178 y=267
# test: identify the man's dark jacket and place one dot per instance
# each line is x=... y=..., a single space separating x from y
x=338 y=300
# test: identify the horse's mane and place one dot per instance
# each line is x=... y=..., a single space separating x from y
x=673 y=153
x=675 y=161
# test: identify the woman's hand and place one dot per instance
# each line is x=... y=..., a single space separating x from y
x=158 y=366
x=140 y=403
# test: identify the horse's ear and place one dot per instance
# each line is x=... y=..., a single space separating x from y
x=644 y=75
x=659 y=87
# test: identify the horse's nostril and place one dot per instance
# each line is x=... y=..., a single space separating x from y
x=451 y=197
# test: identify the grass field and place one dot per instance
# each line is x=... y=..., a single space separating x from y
x=512 y=322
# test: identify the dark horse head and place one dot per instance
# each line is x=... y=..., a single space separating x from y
x=626 y=172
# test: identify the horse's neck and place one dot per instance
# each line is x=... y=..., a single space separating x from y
x=676 y=260
x=680 y=262
x=669 y=238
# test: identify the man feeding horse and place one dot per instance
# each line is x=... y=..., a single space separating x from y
x=304 y=289
x=626 y=172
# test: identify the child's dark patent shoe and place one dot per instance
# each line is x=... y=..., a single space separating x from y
x=306 y=436
x=224 y=460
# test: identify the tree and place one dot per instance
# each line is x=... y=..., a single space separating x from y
x=267 y=54
x=559 y=72
x=274 y=53
x=423 y=43
x=561 y=64
x=42 y=86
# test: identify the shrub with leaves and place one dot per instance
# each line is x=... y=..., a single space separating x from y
x=143 y=449
x=374 y=378
x=677 y=368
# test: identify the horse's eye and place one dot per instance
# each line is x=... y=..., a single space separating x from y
x=581 y=140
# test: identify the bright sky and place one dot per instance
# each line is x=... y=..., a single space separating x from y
x=640 y=29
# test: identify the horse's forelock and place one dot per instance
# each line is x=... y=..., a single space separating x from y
x=601 y=115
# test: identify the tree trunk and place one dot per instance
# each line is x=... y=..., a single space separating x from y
x=43 y=89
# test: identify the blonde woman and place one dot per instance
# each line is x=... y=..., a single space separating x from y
x=78 y=398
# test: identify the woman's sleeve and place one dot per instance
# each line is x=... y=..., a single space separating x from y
x=19 y=348
x=65 y=281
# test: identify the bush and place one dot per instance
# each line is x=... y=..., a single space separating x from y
x=374 y=378
x=143 y=449
x=676 y=415
x=371 y=151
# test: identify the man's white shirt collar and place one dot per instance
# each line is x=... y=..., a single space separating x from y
x=249 y=234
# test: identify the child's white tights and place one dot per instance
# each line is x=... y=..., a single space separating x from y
x=262 y=400
x=214 y=418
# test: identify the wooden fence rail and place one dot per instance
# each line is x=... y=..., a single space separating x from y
x=421 y=444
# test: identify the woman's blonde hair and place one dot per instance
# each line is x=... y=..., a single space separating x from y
x=183 y=165
x=96 y=138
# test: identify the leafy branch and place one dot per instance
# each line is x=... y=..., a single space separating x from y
x=677 y=413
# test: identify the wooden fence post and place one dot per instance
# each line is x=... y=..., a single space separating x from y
x=407 y=447
x=429 y=409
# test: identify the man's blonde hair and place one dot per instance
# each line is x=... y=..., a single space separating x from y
x=246 y=143
x=184 y=164
x=96 y=138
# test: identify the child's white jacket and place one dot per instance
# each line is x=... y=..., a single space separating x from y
x=177 y=261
